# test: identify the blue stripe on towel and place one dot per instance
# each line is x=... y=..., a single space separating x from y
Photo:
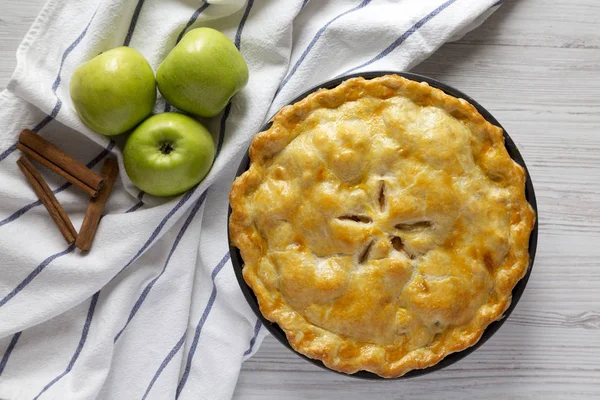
x=496 y=4
x=257 y=327
x=222 y=128
x=136 y=206
x=314 y=41
x=35 y=273
x=48 y=118
x=181 y=340
x=84 y=334
x=238 y=35
x=164 y=364
x=140 y=203
x=8 y=151
x=149 y=286
x=9 y=349
x=227 y=111
x=133 y=22
x=160 y=226
x=66 y=185
x=207 y=309
x=193 y=19
x=402 y=37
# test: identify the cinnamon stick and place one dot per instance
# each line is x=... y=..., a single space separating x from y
x=43 y=192
x=109 y=173
x=59 y=162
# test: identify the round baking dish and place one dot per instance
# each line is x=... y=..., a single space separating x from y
x=279 y=334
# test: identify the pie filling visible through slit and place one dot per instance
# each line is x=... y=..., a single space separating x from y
x=382 y=224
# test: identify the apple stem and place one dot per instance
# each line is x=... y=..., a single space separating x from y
x=166 y=148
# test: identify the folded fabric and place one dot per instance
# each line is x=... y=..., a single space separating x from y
x=154 y=311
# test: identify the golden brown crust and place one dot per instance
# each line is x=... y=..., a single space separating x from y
x=382 y=224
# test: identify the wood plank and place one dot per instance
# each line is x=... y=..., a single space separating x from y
x=512 y=364
x=16 y=16
x=534 y=23
x=540 y=81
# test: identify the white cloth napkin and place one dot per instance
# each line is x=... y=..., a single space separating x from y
x=154 y=310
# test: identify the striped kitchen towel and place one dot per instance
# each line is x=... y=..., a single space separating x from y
x=154 y=310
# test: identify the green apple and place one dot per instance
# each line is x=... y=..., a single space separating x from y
x=114 y=91
x=202 y=73
x=168 y=154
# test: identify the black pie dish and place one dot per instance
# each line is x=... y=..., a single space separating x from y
x=450 y=359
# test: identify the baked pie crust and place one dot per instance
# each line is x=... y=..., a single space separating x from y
x=382 y=224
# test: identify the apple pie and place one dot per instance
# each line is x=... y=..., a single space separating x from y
x=382 y=224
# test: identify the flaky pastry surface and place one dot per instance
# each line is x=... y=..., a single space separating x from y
x=382 y=225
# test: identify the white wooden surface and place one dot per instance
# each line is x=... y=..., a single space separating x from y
x=536 y=66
